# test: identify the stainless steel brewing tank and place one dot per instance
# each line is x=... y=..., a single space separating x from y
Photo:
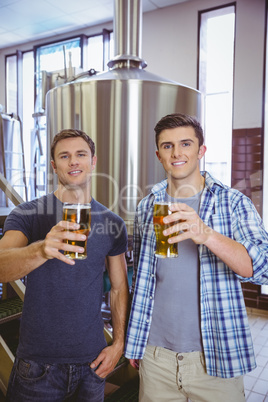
x=118 y=109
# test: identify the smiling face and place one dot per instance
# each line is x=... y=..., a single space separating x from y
x=179 y=153
x=73 y=163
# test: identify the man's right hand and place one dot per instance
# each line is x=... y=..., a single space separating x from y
x=18 y=258
x=55 y=241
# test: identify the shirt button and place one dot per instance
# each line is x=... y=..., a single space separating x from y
x=151 y=297
x=180 y=357
x=147 y=321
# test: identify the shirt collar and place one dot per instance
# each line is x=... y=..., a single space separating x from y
x=159 y=189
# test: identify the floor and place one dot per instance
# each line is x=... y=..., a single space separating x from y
x=256 y=382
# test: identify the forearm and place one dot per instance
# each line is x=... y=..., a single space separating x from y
x=119 y=303
x=232 y=253
x=15 y=263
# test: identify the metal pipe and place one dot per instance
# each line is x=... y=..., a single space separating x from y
x=127 y=34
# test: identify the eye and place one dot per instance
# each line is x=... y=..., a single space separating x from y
x=186 y=144
x=81 y=154
x=167 y=146
x=64 y=156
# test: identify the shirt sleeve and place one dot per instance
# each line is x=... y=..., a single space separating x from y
x=249 y=230
x=136 y=251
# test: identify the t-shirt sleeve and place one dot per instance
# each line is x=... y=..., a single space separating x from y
x=18 y=219
x=119 y=238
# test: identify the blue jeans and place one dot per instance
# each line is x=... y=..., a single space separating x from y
x=32 y=382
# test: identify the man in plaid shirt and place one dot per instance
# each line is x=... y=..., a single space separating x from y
x=188 y=332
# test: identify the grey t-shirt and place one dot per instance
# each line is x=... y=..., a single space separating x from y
x=176 y=314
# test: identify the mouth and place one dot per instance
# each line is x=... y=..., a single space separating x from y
x=74 y=172
x=178 y=163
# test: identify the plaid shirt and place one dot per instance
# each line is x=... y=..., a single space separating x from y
x=226 y=336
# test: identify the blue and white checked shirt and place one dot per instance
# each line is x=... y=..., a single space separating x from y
x=226 y=336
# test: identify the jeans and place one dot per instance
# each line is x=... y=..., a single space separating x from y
x=32 y=382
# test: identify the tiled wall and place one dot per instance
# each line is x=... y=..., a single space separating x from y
x=253 y=297
x=247 y=173
x=247 y=164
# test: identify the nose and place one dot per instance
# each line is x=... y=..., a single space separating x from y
x=176 y=151
x=73 y=160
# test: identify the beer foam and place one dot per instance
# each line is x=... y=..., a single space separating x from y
x=77 y=206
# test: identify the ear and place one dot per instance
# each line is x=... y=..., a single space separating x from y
x=53 y=164
x=158 y=156
x=94 y=161
x=202 y=151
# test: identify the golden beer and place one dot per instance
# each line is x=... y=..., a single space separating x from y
x=78 y=213
x=163 y=248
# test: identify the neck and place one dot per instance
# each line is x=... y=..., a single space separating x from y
x=181 y=189
x=74 y=195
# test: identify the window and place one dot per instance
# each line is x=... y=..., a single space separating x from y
x=265 y=115
x=28 y=106
x=216 y=50
x=56 y=63
x=11 y=84
x=19 y=86
x=95 y=53
x=56 y=59
x=264 y=288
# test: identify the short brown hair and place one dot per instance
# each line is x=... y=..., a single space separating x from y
x=71 y=133
x=179 y=120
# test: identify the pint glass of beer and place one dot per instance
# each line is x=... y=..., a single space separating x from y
x=163 y=248
x=78 y=213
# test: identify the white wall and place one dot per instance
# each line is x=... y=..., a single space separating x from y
x=249 y=63
x=173 y=31
x=169 y=46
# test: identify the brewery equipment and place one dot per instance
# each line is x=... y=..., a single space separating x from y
x=118 y=109
x=12 y=161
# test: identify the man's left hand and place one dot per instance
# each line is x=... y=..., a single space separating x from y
x=106 y=360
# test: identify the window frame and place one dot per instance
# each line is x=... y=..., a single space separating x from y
x=203 y=122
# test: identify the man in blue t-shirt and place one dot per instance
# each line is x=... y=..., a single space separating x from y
x=62 y=353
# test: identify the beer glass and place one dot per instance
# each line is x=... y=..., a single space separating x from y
x=163 y=248
x=78 y=213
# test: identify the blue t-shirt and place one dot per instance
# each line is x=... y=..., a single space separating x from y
x=61 y=319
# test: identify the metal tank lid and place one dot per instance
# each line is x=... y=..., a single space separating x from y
x=126 y=73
